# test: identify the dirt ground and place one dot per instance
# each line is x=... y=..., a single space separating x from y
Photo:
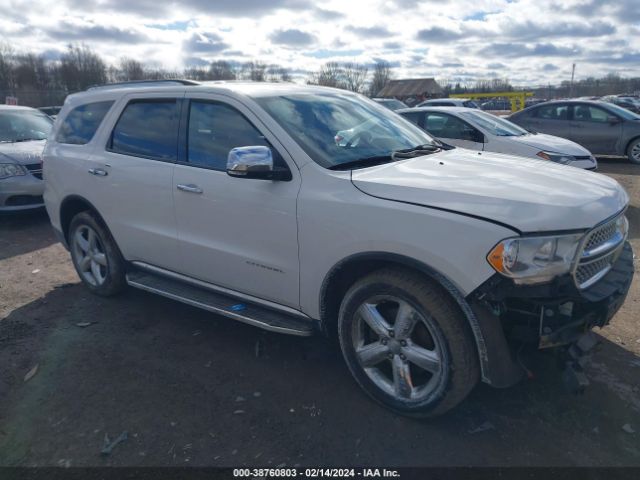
x=191 y=388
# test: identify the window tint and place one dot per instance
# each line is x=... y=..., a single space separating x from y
x=585 y=113
x=446 y=126
x=553 y=112
x=147 y=128
x=413 y=117
x=214 y=129
x=81 y=123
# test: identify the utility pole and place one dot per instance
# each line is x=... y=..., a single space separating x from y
x=573 y=73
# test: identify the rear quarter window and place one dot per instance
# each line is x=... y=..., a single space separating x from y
x=81 y=123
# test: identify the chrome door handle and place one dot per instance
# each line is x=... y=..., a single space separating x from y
x=99 y=172
x=191 y=188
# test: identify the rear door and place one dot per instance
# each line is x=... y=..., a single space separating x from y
x=128 y=177
x=591 y=127
x=453 y=130
x=236 y=233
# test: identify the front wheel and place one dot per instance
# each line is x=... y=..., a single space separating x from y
x=633 y=152
x=96 y=256
x=407 y=343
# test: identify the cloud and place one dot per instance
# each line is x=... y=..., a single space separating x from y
x=292 y=37
x=549 y=67
x=438 y=35
x=203 y=43
x=515 y=50
x=72 y=32
x=370 y=32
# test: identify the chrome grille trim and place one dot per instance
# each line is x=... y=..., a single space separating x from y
x=599 y=250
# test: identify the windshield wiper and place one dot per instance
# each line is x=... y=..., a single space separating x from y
x=394 y=156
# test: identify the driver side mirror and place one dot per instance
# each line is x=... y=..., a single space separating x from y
x=254 y=162
x=613 y=119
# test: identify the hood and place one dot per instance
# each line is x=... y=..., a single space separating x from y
x=528 y=195
x=24 y=153
x=550 y=143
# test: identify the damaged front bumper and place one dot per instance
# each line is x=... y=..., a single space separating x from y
x=549 y=315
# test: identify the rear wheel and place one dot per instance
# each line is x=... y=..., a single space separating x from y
x=407 y=343
x=633 y=152
x=96 y=256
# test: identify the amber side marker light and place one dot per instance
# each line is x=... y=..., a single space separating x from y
x=496 y=257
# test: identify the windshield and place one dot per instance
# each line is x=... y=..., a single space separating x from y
x=22 y=126
x=623 y=112
x=335 y=129
x=494 y=125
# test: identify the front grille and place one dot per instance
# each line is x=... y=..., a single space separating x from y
x=599 y=252
x=35 y=169
x=589 y=273
x=583 y=157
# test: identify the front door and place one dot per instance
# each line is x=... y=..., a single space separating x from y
x=237 y=233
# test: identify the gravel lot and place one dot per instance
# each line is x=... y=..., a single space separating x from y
x=191 y=388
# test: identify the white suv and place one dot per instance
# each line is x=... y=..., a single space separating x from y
x=423 y=260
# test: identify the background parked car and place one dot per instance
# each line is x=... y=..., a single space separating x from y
x=23 y=132
x=449 y=102
x=51 y=111
x=630 y=103
x=496 y=105
x=478 y=130
x=390 y=103
x=600 y=127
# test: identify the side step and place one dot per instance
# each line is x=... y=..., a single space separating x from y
x=221 y=304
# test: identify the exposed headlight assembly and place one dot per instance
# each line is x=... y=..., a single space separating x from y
x=11 y=170
x=556 y=157
x=534 y=259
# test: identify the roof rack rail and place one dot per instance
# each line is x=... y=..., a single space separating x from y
x=133 y=83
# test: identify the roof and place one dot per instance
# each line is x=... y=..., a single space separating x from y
x=428 y=108
x=409 y=87
x=243 y=88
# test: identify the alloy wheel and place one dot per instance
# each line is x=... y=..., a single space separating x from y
x=397 y=348
x=90 y=256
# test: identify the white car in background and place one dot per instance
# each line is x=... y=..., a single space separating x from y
x=477 y=130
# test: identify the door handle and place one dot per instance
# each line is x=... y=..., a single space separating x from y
x=191 y=188
x=99 y=172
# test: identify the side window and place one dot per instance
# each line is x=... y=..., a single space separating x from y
x=216 y=128
x=552 y=112
x=586 y=113
x=147 y=128
x=81 y=123
x=446 y=126
x=413 y=117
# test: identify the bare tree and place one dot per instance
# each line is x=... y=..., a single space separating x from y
x=80 y=68
x=276 y=73
x=221 y=70
x=329 y=75
x=381 y=76
x=130 y=70
x=354 y=76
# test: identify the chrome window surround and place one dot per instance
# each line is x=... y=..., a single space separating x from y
x=598 y=251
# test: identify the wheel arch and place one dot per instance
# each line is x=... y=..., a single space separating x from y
x=344 y=273
x=628 y=145
x=70 y=207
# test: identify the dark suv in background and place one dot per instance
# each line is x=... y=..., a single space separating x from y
x=600 y=127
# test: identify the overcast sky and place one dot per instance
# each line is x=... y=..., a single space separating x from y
x=528 y=41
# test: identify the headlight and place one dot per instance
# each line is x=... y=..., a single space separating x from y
x=11 y=170
x=556 y=157
x=534 y=259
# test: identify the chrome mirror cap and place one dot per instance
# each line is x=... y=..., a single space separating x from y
x=250 y=161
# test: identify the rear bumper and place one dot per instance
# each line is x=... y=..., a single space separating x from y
x=549 y=315
x=21 y=193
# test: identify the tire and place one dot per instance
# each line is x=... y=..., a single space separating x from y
x=427 y=368
x=96 y=256
x=633 y=151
